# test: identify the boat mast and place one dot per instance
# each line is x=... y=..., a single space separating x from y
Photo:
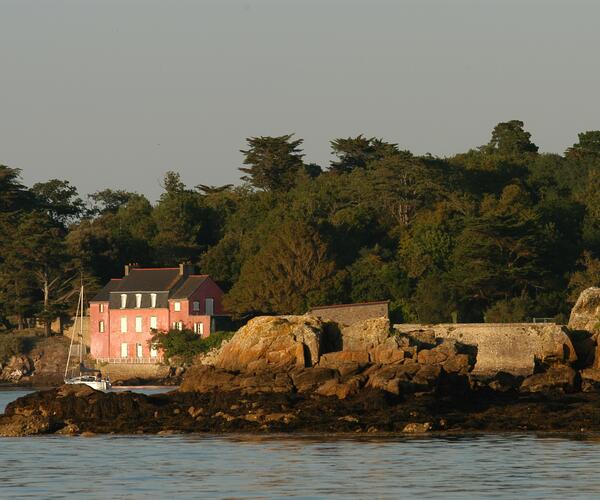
x=73 y=334
x=81 y=325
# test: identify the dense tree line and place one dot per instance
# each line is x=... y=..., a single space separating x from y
x=499 y=233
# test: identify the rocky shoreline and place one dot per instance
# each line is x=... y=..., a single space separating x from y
x=81 y=410
x=297 y=374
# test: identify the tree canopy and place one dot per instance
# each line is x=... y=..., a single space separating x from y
x=498 y=233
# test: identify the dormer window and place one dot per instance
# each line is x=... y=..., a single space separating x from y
x=123 y=300
x=153 y=300
x=196 y=306
x=138 y=300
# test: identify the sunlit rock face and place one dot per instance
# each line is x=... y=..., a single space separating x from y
x=515 y=348
x=585 y=315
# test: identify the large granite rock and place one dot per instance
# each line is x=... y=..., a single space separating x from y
x=559 y=378
x=590 y=380
x=367 y=335
x=510 y=348
x=273 y=343
x=16 y=368
x=206 y=378
x=585 y=315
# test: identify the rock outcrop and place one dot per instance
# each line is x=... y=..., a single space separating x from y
x=41 y=364
x=270 y=355
x=585 y=315
x=298 y=374
x=517 y=349
x=367 y=335
x=16 y=368
x=273 y=343
x=584 y=325
x=563 y=379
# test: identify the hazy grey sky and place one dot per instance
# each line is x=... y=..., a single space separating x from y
x=113 y=93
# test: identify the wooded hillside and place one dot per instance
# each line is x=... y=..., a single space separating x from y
x=499 y=233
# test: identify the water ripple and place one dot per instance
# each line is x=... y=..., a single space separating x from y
x=276 y=466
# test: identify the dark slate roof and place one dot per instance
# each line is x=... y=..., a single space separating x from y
x=162 y=300
x=149 y=280
x=189 y=286
x=104 y=294
x=356 y=304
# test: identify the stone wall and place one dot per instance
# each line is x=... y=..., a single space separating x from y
x=125 y=371
x=348 y=314
x=68 y=331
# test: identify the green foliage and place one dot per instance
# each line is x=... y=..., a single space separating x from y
x=59 y=200
x=586 y=276
x=214 y=341
x=359 y=152
x=514 y=310
x=11 y=345
x=500 y=232
x=289 y=273
x=185 y=344
x=109 y=200
x=588 y=145
x=509 y=138
x=273 y=162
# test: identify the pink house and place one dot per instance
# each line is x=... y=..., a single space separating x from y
x=127 y=311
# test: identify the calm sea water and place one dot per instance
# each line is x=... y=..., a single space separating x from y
x=276 y=466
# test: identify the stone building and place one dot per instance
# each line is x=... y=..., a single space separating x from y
x=347 y=314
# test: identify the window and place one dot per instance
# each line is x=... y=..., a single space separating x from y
x=124 y=324
x=101 y=326
x=123 y=350
x=177 y=306
x=138 y=300
x=153 y=300
x=153 y=351
x=209 y=306
x=101 y=308
x=180 y=325
x=195 y=306
x=123 y=300
x=138 y=324
x=199 y=328
x=138 y=350
x=153 y=322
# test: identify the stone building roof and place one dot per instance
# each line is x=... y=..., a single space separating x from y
x=189 y=286
x=104 y=294
x=150 y=280
x=167 y=283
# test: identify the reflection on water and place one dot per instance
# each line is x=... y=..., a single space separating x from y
x=275 y=466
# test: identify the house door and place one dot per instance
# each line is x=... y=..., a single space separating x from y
x=138 y=350
x=123 y=350
x=209 y=306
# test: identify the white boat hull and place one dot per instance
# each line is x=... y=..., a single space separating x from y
x=99 y=385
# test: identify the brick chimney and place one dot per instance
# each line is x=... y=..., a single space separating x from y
x=129 y=267
x=186 y=269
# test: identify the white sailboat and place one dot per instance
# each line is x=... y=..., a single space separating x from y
x=81 y=374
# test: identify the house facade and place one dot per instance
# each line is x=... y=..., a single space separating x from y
x=125 y=314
